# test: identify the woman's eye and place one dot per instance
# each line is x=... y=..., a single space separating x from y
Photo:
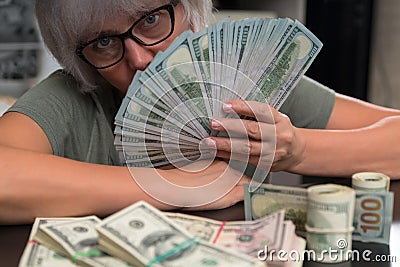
x=150 y=20
x=103 y=42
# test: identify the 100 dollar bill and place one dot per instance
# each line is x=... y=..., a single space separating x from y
x=372 y=213
x=38 y=255
x=243 y=236
x=77 y=239
x=143 y=236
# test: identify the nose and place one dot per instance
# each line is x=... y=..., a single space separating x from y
x=138 y=56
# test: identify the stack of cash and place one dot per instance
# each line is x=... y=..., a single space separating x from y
x=144 y=236
x=141 y=235
x=77 y=240
x=38 y=255
x=261 y=238
x=65 y=242
x=166 y=112
x=372 y=211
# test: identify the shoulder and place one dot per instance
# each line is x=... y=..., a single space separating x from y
x=59 y=91
x=75 y=123
x=58 y=84
x=307 y=85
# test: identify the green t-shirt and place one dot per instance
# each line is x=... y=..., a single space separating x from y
x=309 y=105
x=80 y=126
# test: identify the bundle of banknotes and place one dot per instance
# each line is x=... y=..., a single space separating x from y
x=141 y=235
x=330 y=213
x=373 y=206
x=166 y=112
x=262 y=238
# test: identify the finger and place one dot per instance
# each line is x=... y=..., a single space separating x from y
x=260 y=111
x=241 y=149
x=262 y=162
x=253 y=129
x=234 y=145
x=244 y=180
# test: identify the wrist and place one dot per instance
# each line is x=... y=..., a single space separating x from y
x=299 y=151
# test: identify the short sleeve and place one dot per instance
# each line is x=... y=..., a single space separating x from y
x=75 y=123
x=309 y=105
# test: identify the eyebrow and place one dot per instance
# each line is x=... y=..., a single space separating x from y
x=105 y=33
x=108 y=32
x=137 y=16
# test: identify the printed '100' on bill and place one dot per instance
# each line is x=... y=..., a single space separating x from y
x=373 y=211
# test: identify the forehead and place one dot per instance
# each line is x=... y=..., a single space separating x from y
x=113 y=15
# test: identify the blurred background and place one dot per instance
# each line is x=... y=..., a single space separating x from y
x=23 y=59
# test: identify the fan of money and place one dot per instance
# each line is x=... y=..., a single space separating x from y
x=166 y=112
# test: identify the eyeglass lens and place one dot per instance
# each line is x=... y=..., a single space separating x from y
x=108 y=50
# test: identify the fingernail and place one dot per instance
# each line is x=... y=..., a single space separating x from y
x=226 y=107
x=210 y=143
x=215 y=124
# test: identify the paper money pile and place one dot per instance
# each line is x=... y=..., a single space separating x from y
x=323 y=213
x=166 y=111
x=373 y=208
x=65 y=242
x=261 y=238
x=141 y=235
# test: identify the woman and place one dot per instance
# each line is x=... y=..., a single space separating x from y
x=57 y=140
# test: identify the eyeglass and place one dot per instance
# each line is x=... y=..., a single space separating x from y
x=151 y=29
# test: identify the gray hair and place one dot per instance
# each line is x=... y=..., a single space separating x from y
x=65 y=23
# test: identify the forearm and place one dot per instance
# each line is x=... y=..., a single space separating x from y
x=33 y=185
x=342 y=153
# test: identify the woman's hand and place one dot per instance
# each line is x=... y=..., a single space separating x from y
x=271 y=141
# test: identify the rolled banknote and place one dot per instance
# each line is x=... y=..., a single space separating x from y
x=370 y=181
x=330 y=222
x=372 y=212
x=374 y=207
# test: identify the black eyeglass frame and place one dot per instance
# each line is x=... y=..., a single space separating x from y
x=128 y=34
